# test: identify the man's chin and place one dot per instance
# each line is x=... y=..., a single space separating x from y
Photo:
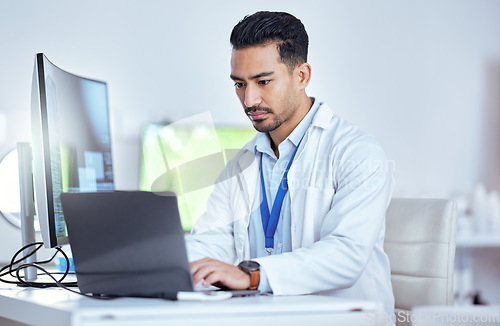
x=261 y=126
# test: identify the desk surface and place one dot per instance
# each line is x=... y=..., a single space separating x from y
x=58 y=307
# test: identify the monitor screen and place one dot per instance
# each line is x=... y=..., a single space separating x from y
x=187 y=159
x=70 y=140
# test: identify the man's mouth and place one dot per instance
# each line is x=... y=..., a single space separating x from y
x=257 y=115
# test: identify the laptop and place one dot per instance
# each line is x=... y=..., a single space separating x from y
x=131 y=243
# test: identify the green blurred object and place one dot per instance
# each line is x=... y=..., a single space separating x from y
x=187 y=160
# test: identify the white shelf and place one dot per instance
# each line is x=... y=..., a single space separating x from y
x=478 y=240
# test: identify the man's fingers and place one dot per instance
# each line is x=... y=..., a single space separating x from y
x=214 y=271
x=195 y=265
x=202 y=272
x=218 y=276
x=199 y=269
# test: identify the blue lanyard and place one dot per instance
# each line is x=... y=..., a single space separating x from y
x=270 y=220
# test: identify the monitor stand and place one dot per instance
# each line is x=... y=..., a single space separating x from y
x=25 y=159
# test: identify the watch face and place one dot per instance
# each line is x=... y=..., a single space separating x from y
x=250 y=265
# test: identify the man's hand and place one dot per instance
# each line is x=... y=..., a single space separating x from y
x=213 y=271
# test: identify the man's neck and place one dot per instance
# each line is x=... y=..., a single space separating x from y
x=282 y=132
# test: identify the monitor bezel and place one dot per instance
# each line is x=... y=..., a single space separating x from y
x=44 y=195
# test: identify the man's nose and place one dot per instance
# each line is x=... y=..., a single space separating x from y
x=252 y=96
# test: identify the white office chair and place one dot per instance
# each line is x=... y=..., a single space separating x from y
x=420 y=243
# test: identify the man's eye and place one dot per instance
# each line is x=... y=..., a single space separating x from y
x=264 y=82
x=238 y=85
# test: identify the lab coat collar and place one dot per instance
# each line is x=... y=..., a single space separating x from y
x=249 y=166
x=323 y=116
x=300 y=130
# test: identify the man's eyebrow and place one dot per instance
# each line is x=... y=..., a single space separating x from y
x=262 y=74
x=235 y=77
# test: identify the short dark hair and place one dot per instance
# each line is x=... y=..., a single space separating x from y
x=264 y=27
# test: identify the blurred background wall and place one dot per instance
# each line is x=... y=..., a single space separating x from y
x=422 y=76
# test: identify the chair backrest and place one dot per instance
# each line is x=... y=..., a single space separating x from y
x=420 y=243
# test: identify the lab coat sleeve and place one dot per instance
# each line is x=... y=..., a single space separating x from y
x=348 y=231
x=212 y=234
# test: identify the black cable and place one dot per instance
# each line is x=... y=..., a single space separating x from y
x=15 y=272
x=13 y=261
x=20 y=279
x=45 y=284
x=57 y=282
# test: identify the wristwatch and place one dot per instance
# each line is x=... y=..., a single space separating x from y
x=252 y=268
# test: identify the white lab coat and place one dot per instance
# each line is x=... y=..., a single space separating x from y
x=340 y=185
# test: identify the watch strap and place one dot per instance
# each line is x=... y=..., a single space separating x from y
x=254 y=280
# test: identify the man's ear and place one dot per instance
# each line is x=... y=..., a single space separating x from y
x=303 y=74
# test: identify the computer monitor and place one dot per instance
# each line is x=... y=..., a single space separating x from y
x=70 y=140
x=187 y=159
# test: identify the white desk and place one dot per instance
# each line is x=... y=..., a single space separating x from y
x=54 y=307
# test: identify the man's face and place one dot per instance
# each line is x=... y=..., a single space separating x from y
x=266 y=89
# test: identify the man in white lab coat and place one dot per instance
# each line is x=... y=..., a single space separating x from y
x=301 y=208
